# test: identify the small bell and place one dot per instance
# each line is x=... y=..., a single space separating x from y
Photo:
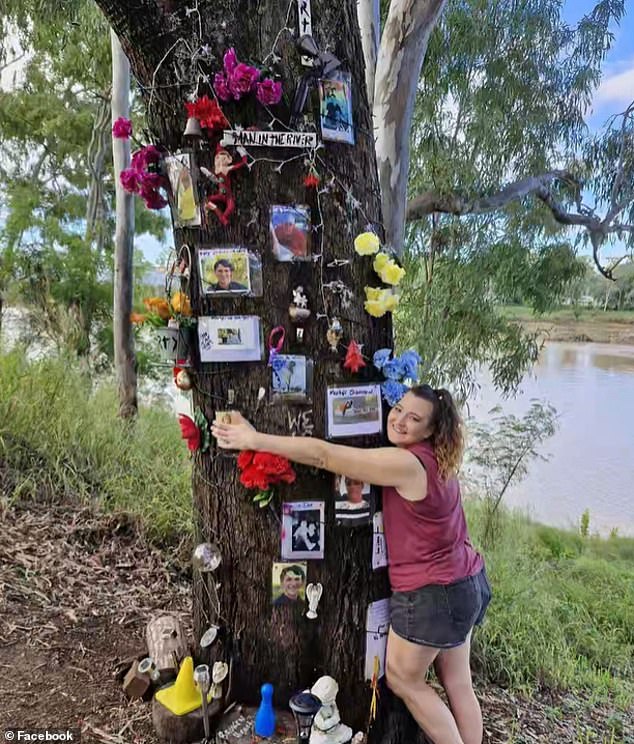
x=192 y=129
x=334 y=334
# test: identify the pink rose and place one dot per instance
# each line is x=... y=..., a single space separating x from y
x=145 y=156
x=242 y=80
x=230 y=60
x=268 y=92
x=130 y=180
x=221 y=87
x=122 y=128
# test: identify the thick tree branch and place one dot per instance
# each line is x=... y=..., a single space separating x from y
x=368 y=13
x=401 y=53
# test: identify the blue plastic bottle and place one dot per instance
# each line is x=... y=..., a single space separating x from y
x=265 y=717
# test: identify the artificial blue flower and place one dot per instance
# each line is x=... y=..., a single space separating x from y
x=380 y=357
x=393 y=391
x=410 y=360
x=393 y=369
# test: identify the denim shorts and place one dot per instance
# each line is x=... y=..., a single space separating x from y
x=441 y=615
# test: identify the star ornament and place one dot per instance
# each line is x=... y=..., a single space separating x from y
x=354 y=358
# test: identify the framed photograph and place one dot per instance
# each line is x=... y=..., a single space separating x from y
x=184 y=198
x=291 y=232
x=291 y=379
x=229 y=338
x=353 y=410
x=335 y=108
x=225 y=417
x=224 y=271
x=354 y=502
x=288 y=585
x=303 y=530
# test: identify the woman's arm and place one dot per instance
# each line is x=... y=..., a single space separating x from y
x=382 y=466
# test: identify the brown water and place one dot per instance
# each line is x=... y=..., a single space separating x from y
x=591 y=462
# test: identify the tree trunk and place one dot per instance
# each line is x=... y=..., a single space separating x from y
x=124 y=358
x=278 y=645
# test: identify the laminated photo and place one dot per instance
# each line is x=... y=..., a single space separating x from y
x=303 y=530
x=354 y=502
x=354 y=410
x=184 y=200
x=224 y=270
x=288 y=584
x=229 y=338
x=291 y=378
x=335 y=108
x=291 y=231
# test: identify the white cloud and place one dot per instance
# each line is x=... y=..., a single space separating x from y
x=616 y=89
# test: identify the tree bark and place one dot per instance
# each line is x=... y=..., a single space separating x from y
x=279 y=645
x=403 y=46
x=124 y=357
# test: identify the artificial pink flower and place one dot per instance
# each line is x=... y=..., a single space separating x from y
x=130 y=179
x=242 y=80
x=122 y=128
x=230 y=60
x=268 y=92
x=152 y=199
x=221 y=87
x=148 y=155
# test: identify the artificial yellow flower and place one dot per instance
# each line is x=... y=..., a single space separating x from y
x=391 y=301
x=159 y=306
x=180 y=304
x=392 y=273
x=375 y=308
x=367 y=243
x=373 y=293
x=380 y=260
x=137 y=318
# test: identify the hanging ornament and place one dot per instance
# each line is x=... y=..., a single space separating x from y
x=182 y=379
x=206 y=113
x=298 y=309
x=276 y=342
x=206 y=557
x=313 y=595
x=354 y=357
x=221 y=200
x=311 y=181
x=334 y=334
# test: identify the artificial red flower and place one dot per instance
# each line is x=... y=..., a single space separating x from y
x=354 y=357
x=245 y=458
x=262 y=470
x=190 y=432
x=268 y=92
x=208 y=113
x=122 y=128
x=311 y=181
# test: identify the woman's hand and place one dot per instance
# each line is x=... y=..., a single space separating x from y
x=237 y=436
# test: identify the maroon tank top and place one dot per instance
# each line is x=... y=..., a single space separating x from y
x=428 y=541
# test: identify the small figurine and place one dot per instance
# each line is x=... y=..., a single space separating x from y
x=313 y=595
x=334 y=334
x=298 y=309
x=221 y=200
x=265 y=717
x=327 y=726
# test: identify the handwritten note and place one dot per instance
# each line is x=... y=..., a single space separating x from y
x=376 y=630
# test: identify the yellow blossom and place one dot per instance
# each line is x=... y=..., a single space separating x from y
x=375 y=308
x=392 y=273
x=159 y=306
x=180 y=304
x=380 y=260
x=367 y=243
x=391 y=301
x=373 y=293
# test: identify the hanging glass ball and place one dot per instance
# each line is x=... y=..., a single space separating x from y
x=206 y=557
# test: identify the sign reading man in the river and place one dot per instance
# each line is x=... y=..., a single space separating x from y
x=250 y=138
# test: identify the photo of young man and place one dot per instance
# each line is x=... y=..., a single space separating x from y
x=223 y=269
x=291 y=584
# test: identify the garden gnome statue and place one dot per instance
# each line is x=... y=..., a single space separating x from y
x=327 y=726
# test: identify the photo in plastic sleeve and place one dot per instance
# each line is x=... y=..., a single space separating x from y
x=229 y=338
x=291 y=378
x=303 y=530
x=291 y=231
x=226 y=417
x=335 y=108
x=354 y=502
x=225 y=270
x=354 y=411
x=184 y=199
x=288 y=584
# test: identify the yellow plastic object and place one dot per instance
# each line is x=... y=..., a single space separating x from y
x=183 y=696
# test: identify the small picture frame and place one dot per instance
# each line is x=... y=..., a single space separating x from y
x=303 y=530
x=354 y=502
x=335 y=108
x=288 y=584
x=291 y=232
x=353 y=410
x=184 y=203
x=225 y=417
x=230 y=338
x=228 y=270
x=291 y=379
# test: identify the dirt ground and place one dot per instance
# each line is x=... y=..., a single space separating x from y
x=76 y=591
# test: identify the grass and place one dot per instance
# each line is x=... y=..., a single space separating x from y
x=569 y=314
x=563 y=610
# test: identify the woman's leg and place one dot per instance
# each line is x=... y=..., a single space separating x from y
x=406 y=670
x=454 y=672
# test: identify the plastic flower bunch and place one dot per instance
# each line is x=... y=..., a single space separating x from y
x=396 y=370
x=239 y=79
x=208 y=113
x=379 y=300
x=142 y=177
x=160 y=311
x=262 y=470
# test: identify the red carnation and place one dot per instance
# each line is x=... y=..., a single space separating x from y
x=245 y=458
x=311 y=181
x=189 y=431
x=208 y=113
x=122 y=128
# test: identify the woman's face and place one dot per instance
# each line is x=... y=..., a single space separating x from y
x=408 y=421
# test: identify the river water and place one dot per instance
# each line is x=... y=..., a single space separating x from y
x=591 y=463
